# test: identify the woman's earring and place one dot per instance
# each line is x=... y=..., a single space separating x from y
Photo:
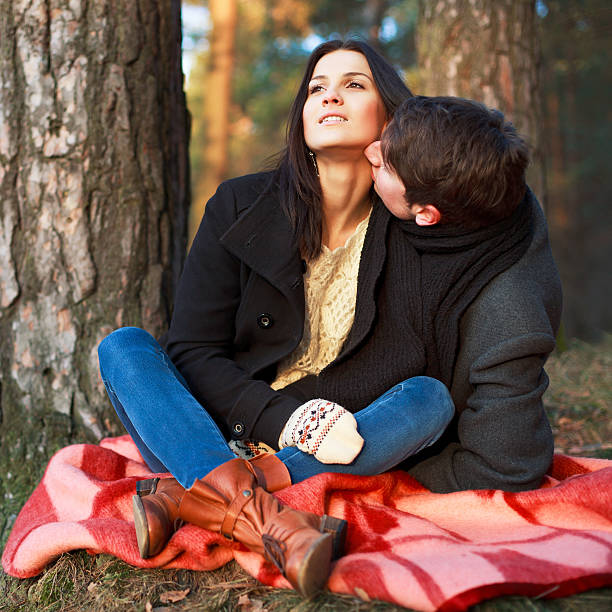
x=314 y=161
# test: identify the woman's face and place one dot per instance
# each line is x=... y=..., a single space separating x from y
x=343 y=109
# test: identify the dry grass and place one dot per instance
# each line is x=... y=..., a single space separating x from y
x=578 y=403
x=78 y=582
x=579 y=400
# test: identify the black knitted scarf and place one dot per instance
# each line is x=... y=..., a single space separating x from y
x=448 y=268
x=415 y=283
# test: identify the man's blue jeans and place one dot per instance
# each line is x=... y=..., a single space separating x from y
x=174 y=433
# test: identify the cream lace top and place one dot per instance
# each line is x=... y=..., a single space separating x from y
x=330 y=288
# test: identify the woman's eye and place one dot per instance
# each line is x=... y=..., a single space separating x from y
x=356 y=85
x=315 y=88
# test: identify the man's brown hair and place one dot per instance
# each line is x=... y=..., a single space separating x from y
x=458 y=155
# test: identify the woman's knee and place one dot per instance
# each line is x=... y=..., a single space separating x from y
x=116 y=348
x=121 y=339
x=428 y=396
x=437 y=395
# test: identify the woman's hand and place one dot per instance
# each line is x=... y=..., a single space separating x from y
x=323 y=429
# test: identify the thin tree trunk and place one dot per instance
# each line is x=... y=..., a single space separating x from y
x=487 y=50
x=93 y=189
x=218 y=100
x=373 y=14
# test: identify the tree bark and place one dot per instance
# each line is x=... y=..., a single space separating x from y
x=218 y=101
x=94 y=193
x=486 y=50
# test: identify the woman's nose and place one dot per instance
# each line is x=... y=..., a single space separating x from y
x=332 y=96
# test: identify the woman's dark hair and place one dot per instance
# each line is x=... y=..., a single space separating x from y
x=300 y=189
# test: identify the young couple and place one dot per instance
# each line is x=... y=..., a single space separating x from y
x=385 y=298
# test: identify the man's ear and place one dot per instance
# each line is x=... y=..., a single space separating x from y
x=426 y=215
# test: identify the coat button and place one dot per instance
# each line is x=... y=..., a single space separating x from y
x=238 y=428
x=265 y=321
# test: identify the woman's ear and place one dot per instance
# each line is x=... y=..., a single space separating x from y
x=426 y=215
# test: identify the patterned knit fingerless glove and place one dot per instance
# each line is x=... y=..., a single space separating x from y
x=323 y=429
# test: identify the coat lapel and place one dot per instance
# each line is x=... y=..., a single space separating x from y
x=263 y=239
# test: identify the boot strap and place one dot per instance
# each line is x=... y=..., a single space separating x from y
x=270 y=472
x=233 y=512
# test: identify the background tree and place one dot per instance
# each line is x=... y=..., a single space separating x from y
x=487 y=50
x=217 y=100
x=93 y=175
x=263 y=82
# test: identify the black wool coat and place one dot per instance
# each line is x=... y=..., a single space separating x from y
x=239 y=310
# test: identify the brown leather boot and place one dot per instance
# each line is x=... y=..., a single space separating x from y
x=156 y=515
x=229 y=501
x=156 y=503
x=153 y=534
x=272 y=474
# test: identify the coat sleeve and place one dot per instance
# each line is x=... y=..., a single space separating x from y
x=201 y=335
x=503 y=439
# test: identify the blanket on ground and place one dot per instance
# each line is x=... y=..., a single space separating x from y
x=406 y=545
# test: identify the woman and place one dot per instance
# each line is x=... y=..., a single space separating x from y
x=277 y=337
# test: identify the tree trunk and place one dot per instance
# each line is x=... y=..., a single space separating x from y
x=486 y=50
x=373 y=14
x=218 y=101
x=94 y=194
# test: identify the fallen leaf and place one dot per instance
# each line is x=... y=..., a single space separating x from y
x=92 y=586
x=244 y=600
x=173 y=596
x=148 y=607
x=568 y=424
x=250 y=605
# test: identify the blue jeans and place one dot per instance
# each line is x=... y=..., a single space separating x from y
x=174 y=433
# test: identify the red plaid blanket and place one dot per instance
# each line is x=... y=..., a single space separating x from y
x=405 y=545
